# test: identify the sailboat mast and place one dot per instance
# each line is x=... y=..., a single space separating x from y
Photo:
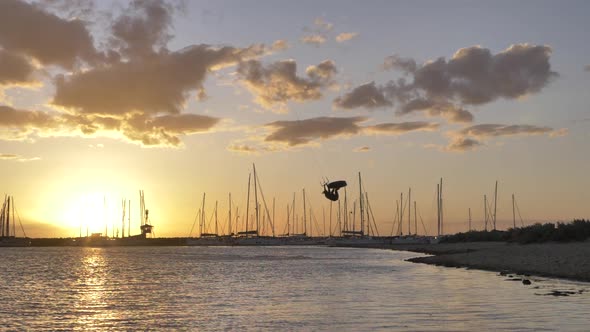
x=203 y=219
x=470 y=219
x=229 y=217
x=438 y=209
x=442 y=211
x=513 y=213
x=7 y=229
x=13 y=219
x=256 y=212
x=104 y=213
x=129 y=218
x=216 y=229
x=401 y=213
x=248 y=204
x=361 y=205
x=495 y=203
x=485 y=212
x=368 y=219
x=415 y=220
x=304 y=215
x=293 y=212
x=409 y=210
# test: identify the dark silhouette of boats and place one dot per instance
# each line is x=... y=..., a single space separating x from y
x=8 y=220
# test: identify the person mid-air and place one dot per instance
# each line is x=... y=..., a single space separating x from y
x=331 y=189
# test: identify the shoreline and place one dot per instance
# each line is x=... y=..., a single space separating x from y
x=555 y=260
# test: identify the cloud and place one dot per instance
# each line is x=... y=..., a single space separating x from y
x=559 y=132
x=345 y=36
x=362 y=149
x=401 y=128
x=300 y=132
x=318 y=33
x=367 y=95
x=470 y=138
x=315 y=39
x=276 y=84
x=452 y=113
x=161 y=83
x=473 y=76
x=24 y=120
x=393 y=62
x=242 y=148
x=321 y=24
x=29 y=30
x=280 y=45
x=15 y=69
x=587 y=68
x=147 y=130
x=16 y=157
x=494 y=130
x=461 y=144
x=143 y=26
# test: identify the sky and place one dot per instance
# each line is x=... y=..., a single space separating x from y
x=101 y=99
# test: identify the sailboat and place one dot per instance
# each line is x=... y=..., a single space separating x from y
x=8 y=226
x=252 y=237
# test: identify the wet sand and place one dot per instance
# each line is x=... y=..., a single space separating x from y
x=560 y=260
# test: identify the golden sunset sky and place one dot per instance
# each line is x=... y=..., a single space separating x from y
x=99 y=99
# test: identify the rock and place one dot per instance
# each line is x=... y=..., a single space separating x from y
x=526 y=282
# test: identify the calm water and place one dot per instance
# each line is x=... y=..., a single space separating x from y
x=296 y=288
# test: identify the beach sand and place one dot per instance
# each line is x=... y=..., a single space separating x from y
x=560 y=260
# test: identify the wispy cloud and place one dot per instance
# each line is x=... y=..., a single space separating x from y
x=362 y=149
x=402 y=128
x=314 y=39
x=16 y=157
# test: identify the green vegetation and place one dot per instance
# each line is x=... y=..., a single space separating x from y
x=577 y=230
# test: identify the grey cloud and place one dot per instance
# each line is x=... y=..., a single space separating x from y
x=403 y=127
x=460 y=144
x=23 y=120
x=144 y=25
x=322 y=72
x=28 y=29
x=396 y=62
x=302 y=132
x=161 y=83
x=473 y=76
x=276 y=84
x=487 y=130
x=14 y=69
x=367 y=95
x=587 y=68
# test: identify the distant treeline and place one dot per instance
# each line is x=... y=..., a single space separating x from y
x=577 y=230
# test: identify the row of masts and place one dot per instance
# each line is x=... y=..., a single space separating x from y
x=8 y=218
x=490 y=215
x=262 y=221
x=144 y=225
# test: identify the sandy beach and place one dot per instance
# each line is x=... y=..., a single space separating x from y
x=560 y=260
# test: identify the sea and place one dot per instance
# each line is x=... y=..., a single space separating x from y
x=271 y=289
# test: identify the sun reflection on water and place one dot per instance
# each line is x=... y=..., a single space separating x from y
x=94 y=301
